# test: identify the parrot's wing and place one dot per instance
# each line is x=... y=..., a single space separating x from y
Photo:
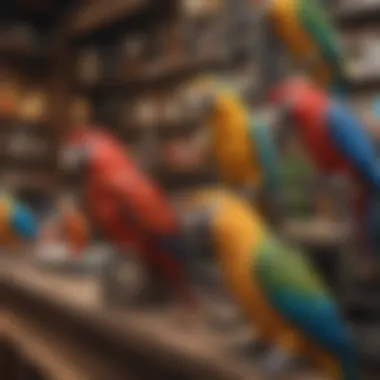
x=295 y=290
x=353 y=142
x=314 y=19
x=264 y=146
x=141 y=204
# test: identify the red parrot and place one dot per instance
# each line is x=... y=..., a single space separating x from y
x=336 y=141
x=127 y=206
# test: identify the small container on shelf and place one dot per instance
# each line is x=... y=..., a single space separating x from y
x=32 y=107
x=131 y=62
x=153 y=53
x=172 y=111
x=9 y=99
x=80 y=111
x=173 y=46
x=89 y=66
x=196 y=9
x=209 y=43
x=185 y=154
x=145 y=112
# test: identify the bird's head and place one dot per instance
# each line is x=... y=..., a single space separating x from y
x=81 y=148
x=296 y=101
x=215 y=100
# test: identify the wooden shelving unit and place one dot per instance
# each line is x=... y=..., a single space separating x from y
x=28 y=69
x=174 y=46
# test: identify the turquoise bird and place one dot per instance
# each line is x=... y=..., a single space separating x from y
x=280 y=293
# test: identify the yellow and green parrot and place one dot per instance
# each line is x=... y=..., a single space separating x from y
x=243 y=146
x=275 y=286
x=303 y=28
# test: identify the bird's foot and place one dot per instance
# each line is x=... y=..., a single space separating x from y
x=278 y=364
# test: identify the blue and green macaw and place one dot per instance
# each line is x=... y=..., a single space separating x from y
x=275 y=286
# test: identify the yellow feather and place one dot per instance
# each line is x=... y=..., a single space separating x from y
x=237 y=230
x=234 y=152
x=286 y=25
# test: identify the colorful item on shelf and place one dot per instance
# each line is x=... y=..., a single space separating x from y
x=9 y=100
x=303 y=27
x=75 y=230
x=32 y=106
x=17 y=223
x=280 y=293
x=186 y=153
x=126 y=205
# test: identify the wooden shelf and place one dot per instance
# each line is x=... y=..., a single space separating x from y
x=168 y=77
x=34 y=57
x=27 y=180
x=360 y=15
x=177 y=180
x=365 y=84
x=163 y=130
x=100 y=14
x=13 y=125
x=29 y=162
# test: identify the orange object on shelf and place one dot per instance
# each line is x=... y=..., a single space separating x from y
x=9 y=98
x=75 y=230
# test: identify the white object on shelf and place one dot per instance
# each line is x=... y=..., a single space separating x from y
x=89 y=66
x=145 y=112
x=133 y=46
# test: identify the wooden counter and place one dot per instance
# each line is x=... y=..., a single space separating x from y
x=193 y=349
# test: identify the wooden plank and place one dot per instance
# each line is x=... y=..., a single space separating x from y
x=156 y=333
x=319 y=232
x=40 y=350
x=97 y=15
x=61 y=357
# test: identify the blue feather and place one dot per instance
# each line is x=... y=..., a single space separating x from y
x=23 y=222
x=354 y=143
x=296 y=292
x=262 y=140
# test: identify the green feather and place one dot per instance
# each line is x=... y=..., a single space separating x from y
x=281 y=265
x=314 y=19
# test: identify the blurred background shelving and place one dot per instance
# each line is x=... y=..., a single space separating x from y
x=127 y=65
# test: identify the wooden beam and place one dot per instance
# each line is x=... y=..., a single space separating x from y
x=99 y=14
